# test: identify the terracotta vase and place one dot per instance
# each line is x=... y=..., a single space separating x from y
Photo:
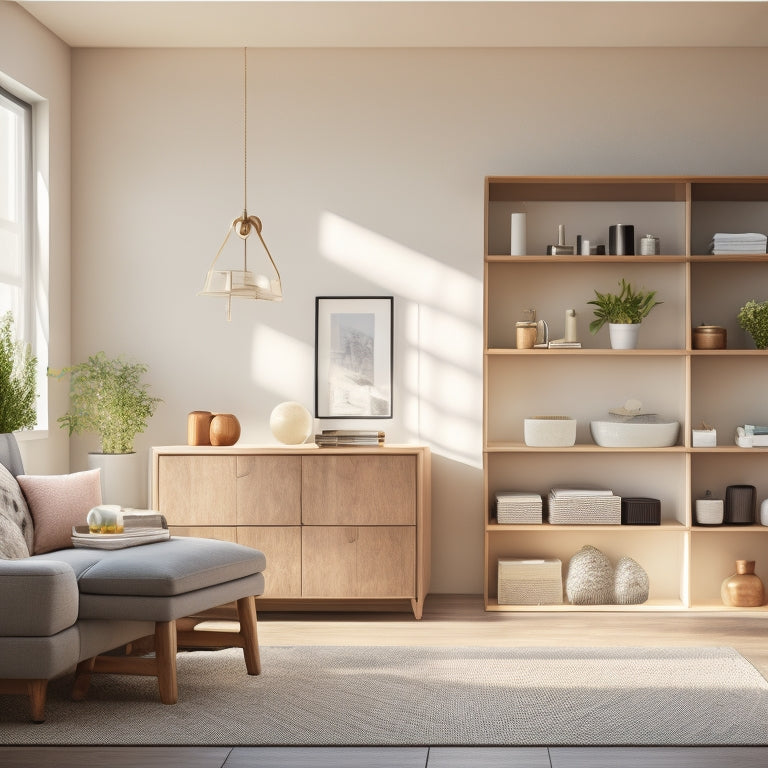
x=199 y=428
x=743 y=589
x=225 y=429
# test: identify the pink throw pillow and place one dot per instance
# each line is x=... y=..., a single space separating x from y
x=57 y=502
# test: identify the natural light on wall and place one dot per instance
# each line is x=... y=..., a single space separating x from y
x=287 y=380
x=438 y=350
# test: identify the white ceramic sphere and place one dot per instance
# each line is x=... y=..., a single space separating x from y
x=291 y=423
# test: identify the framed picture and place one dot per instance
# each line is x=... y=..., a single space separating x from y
x=353 y=357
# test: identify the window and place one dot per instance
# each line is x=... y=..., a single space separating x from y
x=16 y=249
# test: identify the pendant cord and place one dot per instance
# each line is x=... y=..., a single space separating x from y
x=245 y=129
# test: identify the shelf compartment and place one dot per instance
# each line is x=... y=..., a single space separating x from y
x=583 y=388
x=660 y=552
x=728 y=396
x=552 y=288
x=591 y=219
x=662 y=477
x=713 y=559
x=719 y=290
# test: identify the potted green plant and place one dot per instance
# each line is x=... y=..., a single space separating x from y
x=623 y=311
x=753 y=318
x=18 y=380
x=109 y=397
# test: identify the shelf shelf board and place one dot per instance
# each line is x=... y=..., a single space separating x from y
x=516 y=447
x=667 y=525
x=715 y=529
x=492 y=604
x=544 y=258
x=587 y=351
x=730 y=449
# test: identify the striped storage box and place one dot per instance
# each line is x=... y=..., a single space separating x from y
x=530 y=581
x=583 y=508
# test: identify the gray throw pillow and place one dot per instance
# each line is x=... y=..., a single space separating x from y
x=16 y=528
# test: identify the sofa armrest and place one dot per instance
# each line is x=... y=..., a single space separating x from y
x=38 y=598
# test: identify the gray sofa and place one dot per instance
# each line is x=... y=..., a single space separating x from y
x=64 y=610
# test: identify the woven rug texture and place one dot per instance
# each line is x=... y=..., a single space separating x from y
x=394 y=695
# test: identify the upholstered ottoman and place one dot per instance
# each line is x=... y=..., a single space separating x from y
x=163 y=582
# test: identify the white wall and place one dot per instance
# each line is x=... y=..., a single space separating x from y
x=35 y=65
x=366 y=167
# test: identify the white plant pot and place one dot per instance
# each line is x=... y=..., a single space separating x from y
x=123 y=479
x=623 y=335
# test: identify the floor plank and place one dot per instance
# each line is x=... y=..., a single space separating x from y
x=113 y=757
x=327 y=757
x=488 y=757
x=659 y=757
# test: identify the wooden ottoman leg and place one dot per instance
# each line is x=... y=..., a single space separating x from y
x=37 y=691
x=246 y=612
x=82 y=679
x=165 y=658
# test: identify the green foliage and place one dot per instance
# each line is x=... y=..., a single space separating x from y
x=109 y=398
x=753 y=318
x=628 y=306
x=18 y=380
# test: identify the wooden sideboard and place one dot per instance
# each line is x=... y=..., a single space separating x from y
x=336 y=524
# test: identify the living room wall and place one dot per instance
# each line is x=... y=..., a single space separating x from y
x=366 y=167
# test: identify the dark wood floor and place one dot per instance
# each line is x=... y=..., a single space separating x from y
x=452 y=620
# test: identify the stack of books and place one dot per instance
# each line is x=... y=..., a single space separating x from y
x=335 y=438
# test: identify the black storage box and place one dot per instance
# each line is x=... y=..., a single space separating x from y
x=639 y=510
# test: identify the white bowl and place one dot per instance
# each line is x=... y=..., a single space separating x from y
x=549 y=431
x=637 y=432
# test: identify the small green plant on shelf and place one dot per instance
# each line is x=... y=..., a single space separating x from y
x=626 y=307
x=18 y=380
x=753 y=318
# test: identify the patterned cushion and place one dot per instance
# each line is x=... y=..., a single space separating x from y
x=57 y=502
x=16 y=528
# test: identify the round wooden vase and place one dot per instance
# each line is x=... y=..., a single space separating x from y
x=743 y=589
x=225 y=429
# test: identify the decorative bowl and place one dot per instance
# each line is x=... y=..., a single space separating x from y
x=646 y=431
x=549 y=431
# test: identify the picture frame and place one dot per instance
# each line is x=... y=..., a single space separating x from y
x=353 y=357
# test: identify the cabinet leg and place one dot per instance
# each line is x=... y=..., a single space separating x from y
x=418 y=607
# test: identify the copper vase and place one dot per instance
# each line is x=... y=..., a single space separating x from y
x=199 y=428
x=225 y=429
x=743 y=589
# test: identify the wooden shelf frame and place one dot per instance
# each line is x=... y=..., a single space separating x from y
x=720 y=384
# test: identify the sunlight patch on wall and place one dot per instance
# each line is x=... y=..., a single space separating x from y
x=393 y=266
x=284 y=365
x=438 y=339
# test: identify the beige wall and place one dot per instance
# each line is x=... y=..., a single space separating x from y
x=35 y=65
x=367 y=169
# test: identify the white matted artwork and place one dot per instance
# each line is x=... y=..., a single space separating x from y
x=353 y=357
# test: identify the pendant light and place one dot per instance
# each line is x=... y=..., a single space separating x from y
x=242 y=283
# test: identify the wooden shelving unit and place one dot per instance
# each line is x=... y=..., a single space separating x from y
x=725 y=388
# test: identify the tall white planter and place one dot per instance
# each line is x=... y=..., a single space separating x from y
x=623 y=335
x=123 y=480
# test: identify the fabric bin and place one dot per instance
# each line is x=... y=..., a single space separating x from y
x=640 y=511
x=530 y=581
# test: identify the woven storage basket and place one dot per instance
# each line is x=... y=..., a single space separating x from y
x=584 y=510
x=530 y=581
x=518 y=507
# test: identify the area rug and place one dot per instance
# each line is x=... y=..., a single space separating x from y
x=390 y=695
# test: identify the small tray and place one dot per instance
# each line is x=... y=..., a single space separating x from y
x=133 y=537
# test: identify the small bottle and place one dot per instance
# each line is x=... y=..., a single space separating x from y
x=570 y=325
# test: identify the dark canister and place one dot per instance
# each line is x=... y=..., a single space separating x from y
x=709 y=337
x=740 y=504
x=621 y=240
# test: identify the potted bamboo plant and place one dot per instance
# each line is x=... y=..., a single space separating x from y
x=109 y=397
x=624 y=312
